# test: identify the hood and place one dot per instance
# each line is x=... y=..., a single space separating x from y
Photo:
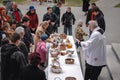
x=9 y=49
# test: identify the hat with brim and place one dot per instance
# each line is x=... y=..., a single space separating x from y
x=31 y=8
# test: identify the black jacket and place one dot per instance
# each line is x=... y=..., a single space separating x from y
x=88 y=17
x=68 y=19
x=100 y=20
x=24 y=50
x=53 y=18
x=28 y=39
x=31 y=72
x=12 y=60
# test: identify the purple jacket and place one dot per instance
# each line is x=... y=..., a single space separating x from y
x=41 y=49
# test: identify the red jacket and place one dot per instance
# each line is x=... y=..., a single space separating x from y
x=33 y=20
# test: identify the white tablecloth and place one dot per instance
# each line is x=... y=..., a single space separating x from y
x=68 y=70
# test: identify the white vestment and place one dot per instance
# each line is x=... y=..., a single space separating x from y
x=94 y=49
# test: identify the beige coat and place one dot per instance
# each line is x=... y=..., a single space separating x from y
x=79 y=33
x=40 y=30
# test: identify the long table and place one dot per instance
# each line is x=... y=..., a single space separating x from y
x=68 y=70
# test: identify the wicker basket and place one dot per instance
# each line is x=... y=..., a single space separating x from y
x=69 y=61
x=70 y=78
x=56 y=68
x=62 y=46
x=63 y=36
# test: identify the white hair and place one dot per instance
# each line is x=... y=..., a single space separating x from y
x=93 y=23
x=19 y=30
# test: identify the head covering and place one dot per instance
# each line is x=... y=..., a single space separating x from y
x=44 y=36
x=31 y=8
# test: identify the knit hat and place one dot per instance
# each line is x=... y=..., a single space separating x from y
x=31 y=8
x=44 y=36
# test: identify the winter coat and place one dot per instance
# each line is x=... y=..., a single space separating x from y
x=12 y=60
x=79 y=33
x=12 y=12
x=56 y=10
x=41 y=49
x=24 y=50
x=100 y=20
x=85 y=5
x=68 y=18
x=53 y=18
x=90 y=16
x=31 y=72
x=33 y=20
x=27 y=39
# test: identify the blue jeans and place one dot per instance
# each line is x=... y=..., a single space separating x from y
x=68 y=28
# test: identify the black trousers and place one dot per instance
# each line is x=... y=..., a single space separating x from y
x=92 y=72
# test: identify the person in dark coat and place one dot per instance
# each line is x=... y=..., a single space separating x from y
x=12 y=59
x=90 y=15
x=56 y=10
x=27 y=39
x=22 y=46
x=52 y=19
x=33 y=19
x=85 y=6
x=68 y=20
x=99 y=17
x=31 y=71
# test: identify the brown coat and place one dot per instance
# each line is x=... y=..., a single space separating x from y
x=79 y=33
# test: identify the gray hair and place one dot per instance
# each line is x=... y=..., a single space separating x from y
x=19 y=30
x=93 y=23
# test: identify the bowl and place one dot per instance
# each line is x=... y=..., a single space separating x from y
x=69 y=61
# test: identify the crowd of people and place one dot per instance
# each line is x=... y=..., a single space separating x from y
x=18 y=33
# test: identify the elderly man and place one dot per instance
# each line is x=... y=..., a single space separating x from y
x=22 y=45
x=94 y=50
x=15 y=13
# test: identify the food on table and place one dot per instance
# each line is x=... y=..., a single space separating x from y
x=55 y=68
x=63 y=53
x=69 y=45
x=70 y=53
x=54 y=52
x=69 y=61
x=67 y=41
x=62 y=46
x=70 y=78
x=54 y=46
x=63 y=36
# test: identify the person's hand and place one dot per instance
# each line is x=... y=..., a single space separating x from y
x=49 y=21
x=31 y=45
